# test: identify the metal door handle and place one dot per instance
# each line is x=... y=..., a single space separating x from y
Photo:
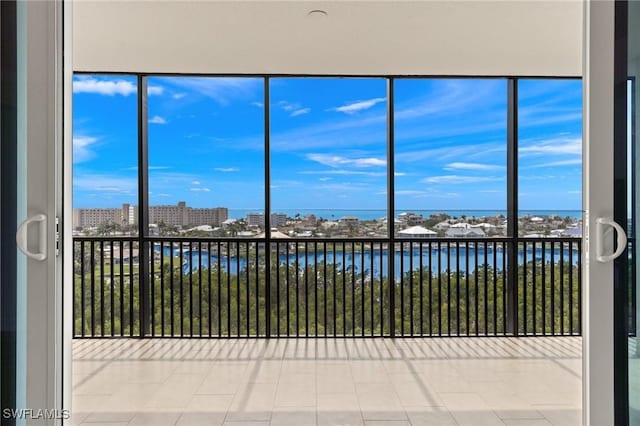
x=21 y=237
x=601 y=223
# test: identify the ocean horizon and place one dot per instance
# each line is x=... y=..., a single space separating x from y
x=364 y=214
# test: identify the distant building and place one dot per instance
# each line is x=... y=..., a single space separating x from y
x=278 y=219
x=85 y=218
x=181 y=215
x=411 y=219
x=418 y=232
x=465 y=233
x=255 y=219
x=175 y=215
x=349 y=220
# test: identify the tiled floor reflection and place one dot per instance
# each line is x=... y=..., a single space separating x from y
x=297 y=382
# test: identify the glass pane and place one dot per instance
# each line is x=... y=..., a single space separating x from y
x=105 y=155
x=206 y=155
x=450 y=154
x=328 y=157
x=550 y=157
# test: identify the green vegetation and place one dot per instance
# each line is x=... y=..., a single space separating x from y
x=211 y=301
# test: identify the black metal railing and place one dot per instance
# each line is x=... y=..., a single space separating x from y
x=205 y=287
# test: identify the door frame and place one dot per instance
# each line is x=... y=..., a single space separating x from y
x=598 y=199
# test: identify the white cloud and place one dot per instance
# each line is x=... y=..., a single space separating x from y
x=155 y=90
x=195 y=182
x=300 y=111
x=156 y=119
x=324 y=179
x=560 y=145
x=104 y=87
x=257 y=104
x=178 y=95
x=220 y=89
x=411 y=192
x=105 y=183
x=226 y=169
x=358 y=106
x=399 y=174
x=344 y=187
x=342 y=172
x=571 y=162
x=81 y=148
x=336 y=160
x=198 y=189
x=472 y=166
x=458 y=179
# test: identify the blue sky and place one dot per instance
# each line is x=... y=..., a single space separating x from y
x=328 y=143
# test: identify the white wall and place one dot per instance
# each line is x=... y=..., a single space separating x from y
x=357 y=37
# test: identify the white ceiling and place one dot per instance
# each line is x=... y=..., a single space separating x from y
x=452 y=37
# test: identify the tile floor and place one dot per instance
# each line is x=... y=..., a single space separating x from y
x=297 y=382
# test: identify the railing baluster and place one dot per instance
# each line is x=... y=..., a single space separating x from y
x=102 y=288
x=335 y=290
x=457 y=288
x=121 y=288
x=315 y=288
x=430 y=275
x=353 y=289
x=362 y=283
x=200 y=288
x=477 y=288
x=372 y=290
x=466 y=284
x=131 y=287
x=82 y=289
x=533 y=295
x=287 y=291
x=278 y=289
x=421 y=292
x=324 y=286
x=410 y=288
x=152 y=284
x=238 y=297
x=401 y=287
x=553 y=288
x=248 y=290
x=570 y=287
x=543 y=255
x=219 y=272
x=112 y=328
x=306 y=289
x=172 y=313
x=382 y=292
x=439 y=289
x=181 y=275
x=93 y=290
x=495 y=288
x=525 y=318
x=297 y=290
x=210 y=296
x=561 y=287
x=579 y=243
x=344 y=290
x=505 y=247
x=486 y=292
x=191 y=316
x=448 y=288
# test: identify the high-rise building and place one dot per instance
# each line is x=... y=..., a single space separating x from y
x=176 y=215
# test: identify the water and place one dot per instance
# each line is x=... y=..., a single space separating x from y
x=233 y=263
x=335 y=214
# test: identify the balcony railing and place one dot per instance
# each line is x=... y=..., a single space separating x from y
x=204 y=287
